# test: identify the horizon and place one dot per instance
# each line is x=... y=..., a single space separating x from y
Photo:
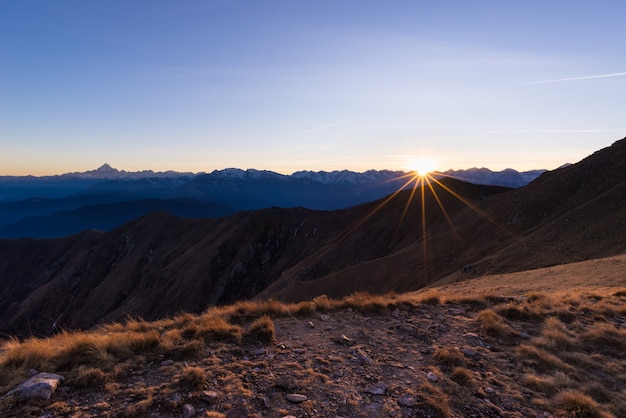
x=122 y=170
x=320 y=86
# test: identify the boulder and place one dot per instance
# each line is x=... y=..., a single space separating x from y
x=39 y=386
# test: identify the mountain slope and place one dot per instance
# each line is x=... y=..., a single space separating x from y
x=24 y=197
x=159 y=264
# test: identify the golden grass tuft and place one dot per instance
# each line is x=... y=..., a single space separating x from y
x=192 y=378
x=542 y=360
x=431 y=297
x=462 y=376
x=91 y=377
x=575 y=404
x=449 y=356
x=261 y=330
x=605 y=338
x=494 y=325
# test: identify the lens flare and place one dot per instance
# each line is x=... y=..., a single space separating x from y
x=422 y=166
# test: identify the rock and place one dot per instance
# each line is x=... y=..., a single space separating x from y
x=311 y=324
x=432 y=377
x=376 y=389
x=407 y=400
x=325 y=318
x=362 y=358
x=258 y=352
x=396 y=313
x=189 y=411
x=167 y=362
x=39 y=386
x=263 y=401
x=469 y=352
x=296 y=397
x=343 y=340
x=208 y=395
x=32 y=372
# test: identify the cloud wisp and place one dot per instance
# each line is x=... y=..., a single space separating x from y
x=551 y=131
x=585 y=77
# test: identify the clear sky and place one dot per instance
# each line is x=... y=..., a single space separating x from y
x=198 y=85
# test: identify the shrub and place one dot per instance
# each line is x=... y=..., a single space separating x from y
x=575 y=404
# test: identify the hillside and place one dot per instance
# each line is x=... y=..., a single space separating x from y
x=161 y=265
x=491 y=350
x=57 y=206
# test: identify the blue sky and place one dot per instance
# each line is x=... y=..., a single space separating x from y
x=288 y=85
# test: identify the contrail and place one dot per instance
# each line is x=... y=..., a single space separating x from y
x=319 y=128
x=586 y=77
x=550 y=131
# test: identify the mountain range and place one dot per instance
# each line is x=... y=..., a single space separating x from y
x=56 y=206
x=444 y=231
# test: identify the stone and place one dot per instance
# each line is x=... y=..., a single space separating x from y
x=296 y=397
x=376 y=389
x=167 y=362
x=208 y=395
x=39 y=386
x=189 y=411
x=324 y=317
x=469 y=352
x=432 y=377
x=343 y=340
x=407 y=400
x=396 y=313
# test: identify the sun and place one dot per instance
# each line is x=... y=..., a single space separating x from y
x=422 y=166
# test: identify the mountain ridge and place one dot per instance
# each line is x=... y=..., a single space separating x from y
x=50 y=199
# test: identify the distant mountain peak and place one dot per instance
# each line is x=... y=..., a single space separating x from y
x=106 y=168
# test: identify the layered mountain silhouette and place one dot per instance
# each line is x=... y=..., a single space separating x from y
x=161 y=264
x=56 y=206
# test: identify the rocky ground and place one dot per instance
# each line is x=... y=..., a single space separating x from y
x=560 y=352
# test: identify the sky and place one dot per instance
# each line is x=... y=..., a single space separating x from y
x=290 y=85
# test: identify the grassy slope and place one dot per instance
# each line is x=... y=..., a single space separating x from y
x=549 y=340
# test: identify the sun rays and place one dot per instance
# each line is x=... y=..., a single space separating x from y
x=423 y=185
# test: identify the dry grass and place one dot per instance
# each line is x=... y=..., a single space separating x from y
x=192 y=378
x=494 y=325
x=261 y=330
x=462 y=376
x=449 y=356
x=569 y=353
x=574 y=404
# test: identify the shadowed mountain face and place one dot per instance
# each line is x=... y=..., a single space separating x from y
x=160 y=264
x=57 y=206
